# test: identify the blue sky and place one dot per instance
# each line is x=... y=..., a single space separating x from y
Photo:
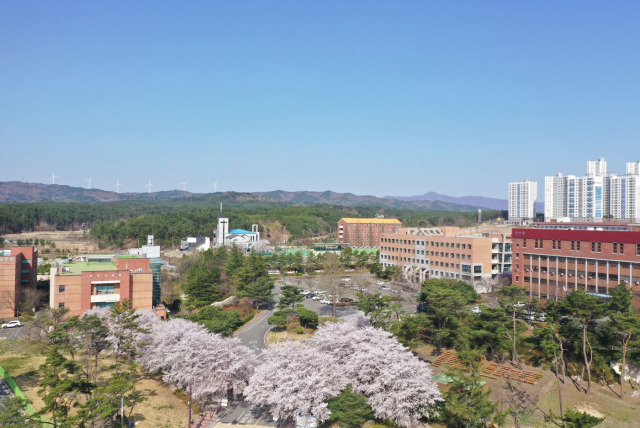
x=369 y=97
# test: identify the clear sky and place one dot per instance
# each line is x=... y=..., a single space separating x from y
x=369 y=97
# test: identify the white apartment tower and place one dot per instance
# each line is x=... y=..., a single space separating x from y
x=597 y=196
x=522 y=200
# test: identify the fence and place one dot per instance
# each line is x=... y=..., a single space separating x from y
x=16 y=390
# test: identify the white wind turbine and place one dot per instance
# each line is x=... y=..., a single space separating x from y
x=88 y=180
x=215 y=186
x=149 y=184
x=118 y=186
x=184 y=185
x=53 y=178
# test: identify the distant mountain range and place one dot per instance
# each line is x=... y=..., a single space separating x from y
x=480 y=201
x=17 y=191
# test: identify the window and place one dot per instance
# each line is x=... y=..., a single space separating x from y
x=637 y=249
x=477 y=269
x=599 y=247
x=61 y=289
x=615 y=248
x=469 y=246
x=573 y=245
x=553 y=244
x=61 y=305
x=524 y=243
x=578 y=245
x=621 y=248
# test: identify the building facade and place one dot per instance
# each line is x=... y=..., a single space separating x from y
x=595 y=197
x=97 y=281
x=365 y=232
x=522 y=201
x=424 y=253
x=18 y=272
x=551 y=261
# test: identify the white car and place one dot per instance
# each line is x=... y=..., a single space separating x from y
x=315 y=297
x=476 y=310
x=305 y=292
x=346 y=279
x=325 y=301
x=321 y=292
x=379 y=282
x=10 y=324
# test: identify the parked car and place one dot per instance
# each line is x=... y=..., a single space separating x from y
x=476 y=310
x=10 y=324
x=320 y=292
x=346 y=279
x=325 y=301
x=383 y=287
x=315 y=297
x=305 y=292
x=346 y=300
x=310 y=296
x=519 y=305
x=379 y=282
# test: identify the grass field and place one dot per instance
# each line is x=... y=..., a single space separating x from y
x=163 y=408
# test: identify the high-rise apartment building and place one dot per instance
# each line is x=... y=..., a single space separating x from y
x=522 y=200
x=596 y=197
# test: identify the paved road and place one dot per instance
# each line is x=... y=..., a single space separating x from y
x=13 y=332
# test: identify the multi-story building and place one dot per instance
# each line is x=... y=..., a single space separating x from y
x=596 y=196
x=365 y=232
x=444 y=252
x=96 y=281
x=18 y=272
x=522 y=201
x=556 y=258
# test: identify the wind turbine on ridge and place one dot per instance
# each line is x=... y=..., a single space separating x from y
x=53 y=178
x=118 y=186
x=88 y=180
x=215 y=186
x=149 y=184
x=184 y=185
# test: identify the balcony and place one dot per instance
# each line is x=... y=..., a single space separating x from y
x=105 y=298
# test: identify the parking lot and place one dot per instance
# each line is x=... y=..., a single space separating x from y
x=12 y=333
x=339 y=287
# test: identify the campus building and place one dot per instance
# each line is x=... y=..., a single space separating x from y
x=522 y=201
x=97 y=281
x=18 y=271
x=445 y=252
x=365 y=232
x=556 y=258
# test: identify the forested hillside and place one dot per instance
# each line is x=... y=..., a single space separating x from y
x=113 y=223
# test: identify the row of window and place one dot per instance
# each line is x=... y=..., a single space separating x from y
x=427 y=253
x=426 y=243
x=596 y=246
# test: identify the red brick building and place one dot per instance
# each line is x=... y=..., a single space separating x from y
x=553 y=262
x=365 y=232
x=18 y=271
x=97 y=281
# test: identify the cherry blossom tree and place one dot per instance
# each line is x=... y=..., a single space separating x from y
x=300 y=378
x=295 y=379
x=203 y=364
x=396 y=383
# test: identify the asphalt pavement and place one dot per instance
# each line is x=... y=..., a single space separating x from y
x=13 y=332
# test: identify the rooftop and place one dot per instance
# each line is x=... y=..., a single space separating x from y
x=240 y=231
x=372 y=220
x=76 y=268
